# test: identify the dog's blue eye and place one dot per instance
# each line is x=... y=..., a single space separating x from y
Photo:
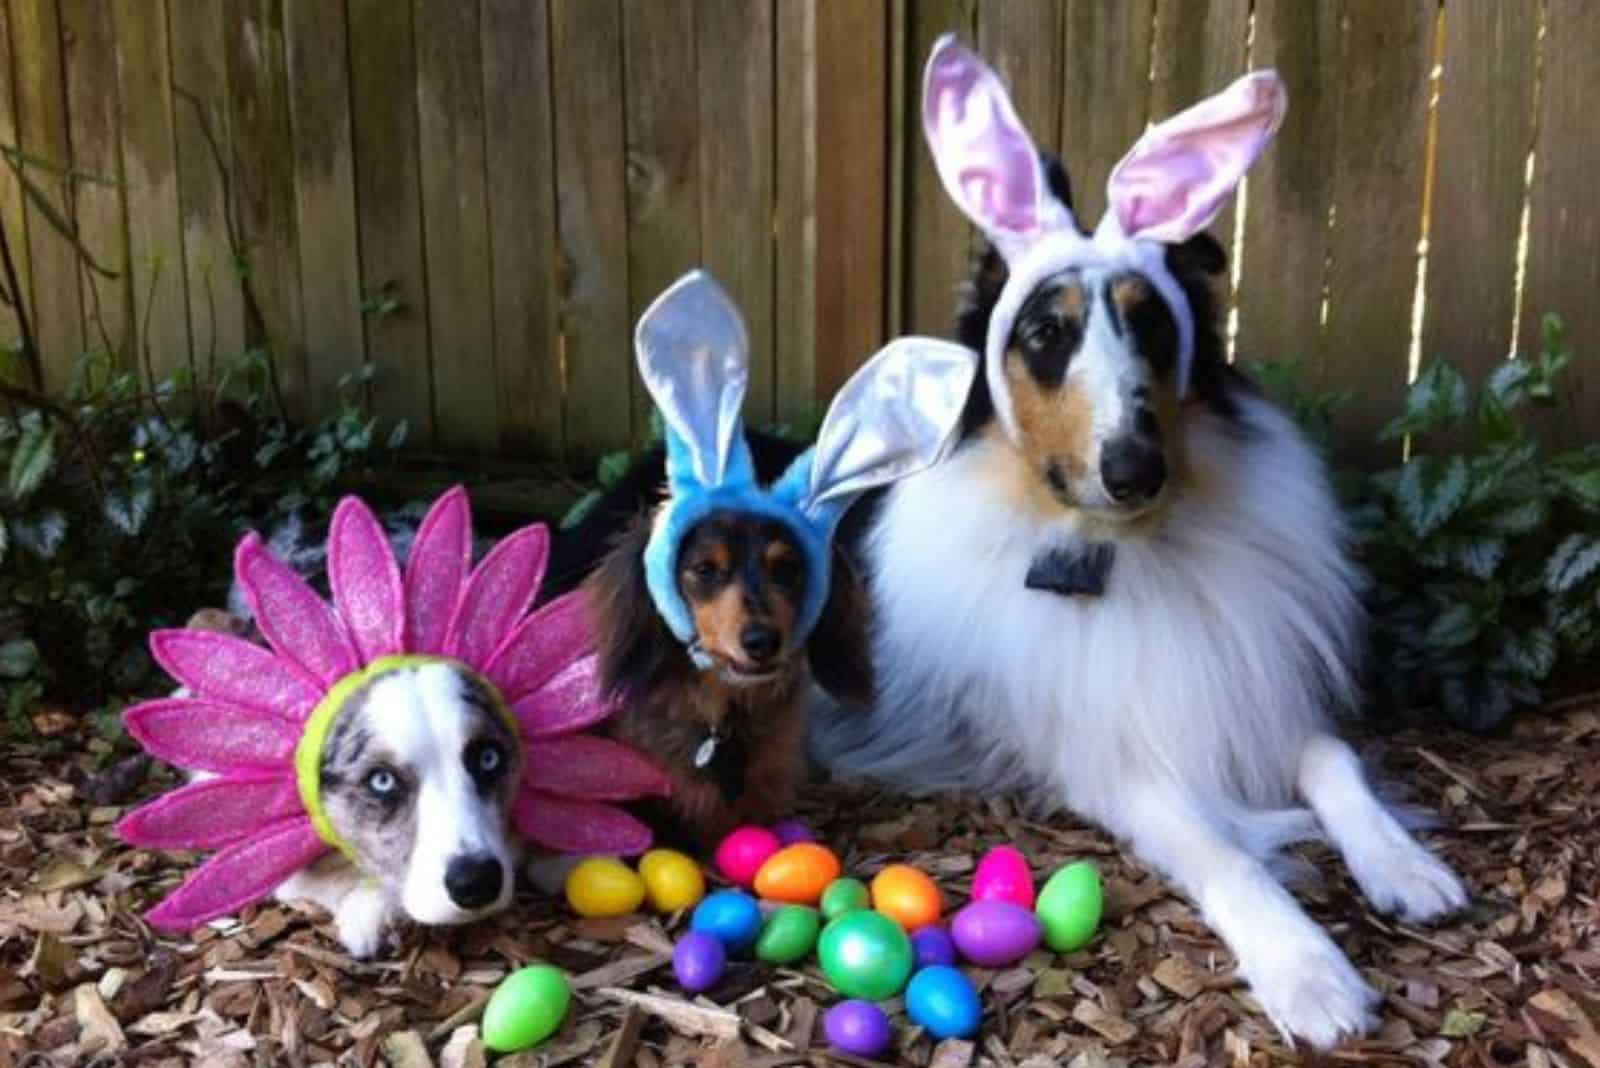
x=382 y=782
x=489 y=759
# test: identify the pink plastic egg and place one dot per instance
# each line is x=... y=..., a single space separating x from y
x=742 y=853
x=993 y=934
x=1003 y=875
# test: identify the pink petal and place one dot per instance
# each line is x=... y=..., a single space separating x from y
x=499 y=592
x=592 y=769
x=240 y=875
x=211 y=735
x=366 y=581
x=579 y=826
x=566 y=703
x=234 y=671
x=437 y=569
x=544 y=643
x=300 y=625
x=211 y=813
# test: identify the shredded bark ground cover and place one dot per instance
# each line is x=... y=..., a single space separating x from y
x=1513 y=981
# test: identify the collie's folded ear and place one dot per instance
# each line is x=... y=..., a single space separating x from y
x=1175 y=180
x=839 y=649
x=985 y=158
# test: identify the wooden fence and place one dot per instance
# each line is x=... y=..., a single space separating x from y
x=523 y=176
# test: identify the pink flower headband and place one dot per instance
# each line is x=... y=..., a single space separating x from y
x=256 y=718
x=1168 y=188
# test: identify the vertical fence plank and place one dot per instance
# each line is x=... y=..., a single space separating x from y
x=383 y=103
x=1105 y=94
x=41 y=107
x=90 y=51
x=586 y=58
x=1291 y=190
x=794 y=313
x=325 y=205
x=938 y=243
x=664 y=187
x=519 y=141
x=263 y=185
x=1378 y=193
x=11 y=211
x=852 y=187
x=1022 y=39
x=201 y=133
x=1563 y=274
x=735 y=73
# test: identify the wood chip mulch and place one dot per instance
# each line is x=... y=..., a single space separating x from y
x=1513 y=981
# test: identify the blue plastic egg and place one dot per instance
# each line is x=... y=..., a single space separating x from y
x=858 y=1028
x=698 y=961
x=933 y=945
x=944 y=1003
x=732 y=917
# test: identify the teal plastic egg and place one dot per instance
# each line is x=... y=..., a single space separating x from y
x=526 y=1008
x=844 y=895
x=944 y=1003
x=866 y=955
x=789 y=934
x=1070 y=905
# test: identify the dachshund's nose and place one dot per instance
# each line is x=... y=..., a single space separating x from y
x=474 y=880
x=760 y=641
x=1132 y=470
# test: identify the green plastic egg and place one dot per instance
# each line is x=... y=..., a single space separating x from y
x=789 y=934
x=526 y=1008
x=1069 y=907
x=867 y=955
x=844 y=895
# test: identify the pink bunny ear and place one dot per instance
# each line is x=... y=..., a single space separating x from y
x=441 y=555
x=241 y=874
x=498 y=593
x=1172 y=183
x=985 y=158
x=300 y=625
x=366 y=581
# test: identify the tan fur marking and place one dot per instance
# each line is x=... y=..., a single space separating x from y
x=719 y=621
x=1057 y=425
x=1128 y=292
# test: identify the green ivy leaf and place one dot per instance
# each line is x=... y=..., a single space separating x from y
x=1582 y=485
x=1430 y=491
x=1508 y=383
x=128 y=512
x=18 y=659
x=1454 y=627
x=1529 y=652
x=581 y=508
x=1437 y=400
x=614 y=467
x=42 y=536
x=1480 y=556
x=1523 y=518
x=1574 y=560
x=33 y=458
x=397 y=436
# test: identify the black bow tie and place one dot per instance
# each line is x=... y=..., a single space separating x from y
x=1081 y=569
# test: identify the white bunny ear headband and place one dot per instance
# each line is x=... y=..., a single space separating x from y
x=1168 y=188
x=896 y=416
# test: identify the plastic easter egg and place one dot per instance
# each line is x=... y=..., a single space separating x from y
x=944 y=1003
x=698 y=961
x=789 y=934
x=993 y=934
x=865 y=955
x=797 y=874
x=844 y=895
x=526 y=1008
x=671 y=880
x=907 y=896
x=858 y=1028
x=791 y=831
x=741 y=854
x=1003 y=875
x=604 y=886
x=933 y=945
x=732 y=917
x=1069 y=906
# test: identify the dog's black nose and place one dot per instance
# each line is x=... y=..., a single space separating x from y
x=474 y=880
x=1132 y=470
x=760 y=641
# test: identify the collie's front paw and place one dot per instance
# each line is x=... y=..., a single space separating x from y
x=1311 y=991
x=1398 y=875
x=361 y=919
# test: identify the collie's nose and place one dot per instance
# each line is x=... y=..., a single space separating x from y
x=760 y=641
x=474 y=880
x=1132 y=470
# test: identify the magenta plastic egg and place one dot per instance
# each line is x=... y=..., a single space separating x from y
x=1003 y=875
x=858 y=1028
x=742 y=853
x=932 y=945
x=791 y=831
x=698 y=960
x=993 y=934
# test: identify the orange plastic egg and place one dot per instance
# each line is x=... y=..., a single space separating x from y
x=907 y=896
x=797 y=874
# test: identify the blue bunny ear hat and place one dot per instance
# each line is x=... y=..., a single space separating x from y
x=896 y=416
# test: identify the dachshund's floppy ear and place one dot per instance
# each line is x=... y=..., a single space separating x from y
x=840 y=646
x=633 y=643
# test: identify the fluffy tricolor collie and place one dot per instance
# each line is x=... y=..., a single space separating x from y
x=1128 y=588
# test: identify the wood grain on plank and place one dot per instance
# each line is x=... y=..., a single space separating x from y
x=1105 y=94
x=1022 y=40
x=11 y=210
x=794 y=312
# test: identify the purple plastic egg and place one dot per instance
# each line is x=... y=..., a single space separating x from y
x=698 y=960
x=932 y=945
x=858 y=1028
x=992 y=934
x=791 y=831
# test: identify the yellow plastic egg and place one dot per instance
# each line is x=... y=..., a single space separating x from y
x=604 y=886
x=672 y=880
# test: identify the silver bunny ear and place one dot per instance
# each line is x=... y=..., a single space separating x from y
x=893 y=418
x=694 y=357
